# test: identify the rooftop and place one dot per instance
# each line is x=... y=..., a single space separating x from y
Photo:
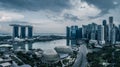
x=64 y=49
x=5 y=45
x=7 y=64
x=50 y=55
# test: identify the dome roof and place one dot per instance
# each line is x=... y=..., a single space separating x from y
x=50 y=56
x=64 y=49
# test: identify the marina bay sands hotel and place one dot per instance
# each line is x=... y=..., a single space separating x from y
x=22 y=31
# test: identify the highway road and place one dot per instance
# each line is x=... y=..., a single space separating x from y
x=81 y=60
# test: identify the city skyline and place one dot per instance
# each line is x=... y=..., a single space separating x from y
x=106 y=33
x=56 y=15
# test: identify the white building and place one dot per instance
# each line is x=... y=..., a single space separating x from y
x=50 y=57
x=101 y=34
x=64 y=49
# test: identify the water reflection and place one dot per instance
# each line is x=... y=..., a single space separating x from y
x=72 y=42
x=24 y=46
x=42 y=45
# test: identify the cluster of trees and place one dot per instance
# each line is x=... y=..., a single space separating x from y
x=2 y=38
x=108 y=55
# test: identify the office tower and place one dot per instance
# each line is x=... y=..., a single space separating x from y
x=101 y=34
x=68 y=32
x=119 y=27
x=23 y=32
x=117 y=33
x=104 y=22
x=93 y=36
x=30 y=31
x=105 y=30
x=68 y=35
x=113 y=37
x=79 y=33
x=84 y=31
x=73 y=31
x=110 y=28
x=111 y=21
x=88 y=31
x=93 y=30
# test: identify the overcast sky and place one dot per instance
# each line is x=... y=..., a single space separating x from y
x=52 y=16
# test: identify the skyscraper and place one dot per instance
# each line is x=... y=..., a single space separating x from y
x=104 y=22
x=93 y=36
x=111 y=20
x=74 y=31
x=79 y=33
x=23 y=32
x=105 y=30
x=15 y=31
x=84 y=31
x=110 y=28
x=30 y=31
x=101 y=34
x=68 y=35
x=113 y=37
x=93 y=31
x=68 y=32
x=119 y=33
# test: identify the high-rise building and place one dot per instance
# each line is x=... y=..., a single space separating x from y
x=79 y=33
x=68 y=35
x=23 y=32
x=93 y=31
x=105 y=30
x=68 y=32
x=20 y=31
x=93 y=36
x=30 y=31
x=72 y=34
x=15 y=31
x=110 y=29
x=104 y=22
x=111 y=20
x=101 y=34
x=84 y=31
x=113 y=37
x=119 y=33
x=74 y=31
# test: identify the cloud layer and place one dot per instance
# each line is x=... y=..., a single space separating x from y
x=35 y=5
x=104 y=5
x=51 y=16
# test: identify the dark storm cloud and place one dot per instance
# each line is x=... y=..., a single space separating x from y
x=34 y=5
x=71 y=17
x=104 y=5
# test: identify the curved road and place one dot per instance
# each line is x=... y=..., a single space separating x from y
x=81 y=60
